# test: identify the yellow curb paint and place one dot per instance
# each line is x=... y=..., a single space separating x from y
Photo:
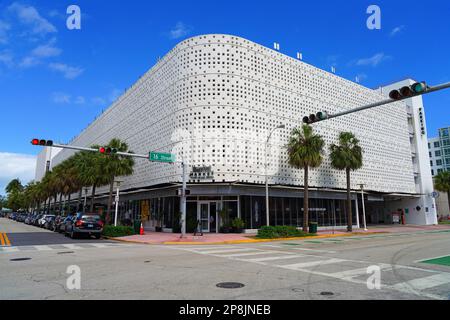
x=8 y=243
x=1 y=239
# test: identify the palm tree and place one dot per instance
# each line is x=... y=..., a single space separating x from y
x=116 y=166
x=90 y=167
x=305 y=150
x=14 y=186
x=347 y=156
x=442 y=182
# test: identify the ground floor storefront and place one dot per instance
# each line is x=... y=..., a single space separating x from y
x=212 y=208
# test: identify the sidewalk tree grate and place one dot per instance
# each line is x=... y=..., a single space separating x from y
x=19 y=259
x=230 y=285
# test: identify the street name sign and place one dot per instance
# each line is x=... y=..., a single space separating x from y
x=162 y=157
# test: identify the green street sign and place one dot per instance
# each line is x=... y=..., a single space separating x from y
x=162 y=157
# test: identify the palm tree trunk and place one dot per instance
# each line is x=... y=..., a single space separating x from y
x=111 y=189
x=69 y=201
x=60 y=202
x=93 y=196
x=54 y=203
x=306 y=201
x=349 y=203
x=80 y=194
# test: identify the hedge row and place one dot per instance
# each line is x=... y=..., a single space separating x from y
x=272 y=232
x=119 y=231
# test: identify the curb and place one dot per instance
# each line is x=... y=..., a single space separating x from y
x=246 y=241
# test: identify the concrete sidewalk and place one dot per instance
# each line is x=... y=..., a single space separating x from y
x=214 y=238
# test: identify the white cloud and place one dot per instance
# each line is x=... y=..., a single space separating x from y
x=46 y=51
x=80 y=100
x=14 y=165
x=4 y=27
x=61 y=98
x=6 y=58
x=30 y=17
x=114 y=95
x=98 y=101
x=396 y=31
x=180 y=30
x=68 y=71
x=373 y=61
x=29 y=61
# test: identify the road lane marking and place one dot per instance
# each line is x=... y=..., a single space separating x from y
x=10 y=249
x=245 y=254
x=72 y=246
x=43 y=248
x=315 y=250
x=8 y=243
x=297 y=266
x=425 y=283
x=349 y=274
x=224 y=250
x=292 y=256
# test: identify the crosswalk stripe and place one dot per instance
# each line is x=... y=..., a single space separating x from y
x=72 y=246
x=274 y=258
x=100 y=245
x=10 y=249
x=43 y=248
x=225 y=250
x=426 y=282
x=314 y=250
x=297 y=266
x=349 y=274
x=246 y=254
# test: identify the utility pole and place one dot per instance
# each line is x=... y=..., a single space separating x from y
x=363 y=206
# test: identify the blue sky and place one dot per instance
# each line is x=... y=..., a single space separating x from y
x=54 y=81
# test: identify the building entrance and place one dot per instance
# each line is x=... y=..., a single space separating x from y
x=207 y=216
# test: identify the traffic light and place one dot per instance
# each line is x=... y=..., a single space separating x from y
x=44 y=143
x=107 y=150
x=416 y=89
x=319 y=116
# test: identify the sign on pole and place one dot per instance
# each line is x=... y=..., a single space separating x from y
x=162 y=157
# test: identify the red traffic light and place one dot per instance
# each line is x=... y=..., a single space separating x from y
x=44 y=143
x=102 y=150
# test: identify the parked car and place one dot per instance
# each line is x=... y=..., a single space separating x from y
x=56 y=224
x=89 y=224
x=48 y=224
x=21 y=217
x=64 y=223
x=35 y=219
x=43 y=220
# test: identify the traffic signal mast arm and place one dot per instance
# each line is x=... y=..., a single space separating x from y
x=402 y=94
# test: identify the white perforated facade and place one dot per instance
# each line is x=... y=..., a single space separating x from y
x=228 y=93
x=214 y=99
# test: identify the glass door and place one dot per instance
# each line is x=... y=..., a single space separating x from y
x=203 y=215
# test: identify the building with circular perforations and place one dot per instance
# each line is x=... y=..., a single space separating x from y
x=214 y=99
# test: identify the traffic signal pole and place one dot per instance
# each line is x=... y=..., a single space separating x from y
x=384 y=102
x=183 y=163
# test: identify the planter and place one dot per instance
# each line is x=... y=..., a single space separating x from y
x=225 y=230
x=158 y=229
x=237 y=230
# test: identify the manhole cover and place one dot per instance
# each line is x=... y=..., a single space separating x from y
x=230 y=285
x=327 y=293
x=66 y=252
x=20 y=259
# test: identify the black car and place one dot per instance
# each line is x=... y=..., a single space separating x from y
x=89 y=224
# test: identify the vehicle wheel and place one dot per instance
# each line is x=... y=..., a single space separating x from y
x=97 y=236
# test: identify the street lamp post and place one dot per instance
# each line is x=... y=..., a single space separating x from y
x=117 y=202
x=363 y=206
x=281 y=126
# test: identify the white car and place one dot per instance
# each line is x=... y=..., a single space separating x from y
x=41 y=221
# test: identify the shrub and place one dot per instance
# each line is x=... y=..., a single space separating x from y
x=271 y=232
x=119 y=231
x=237 y=223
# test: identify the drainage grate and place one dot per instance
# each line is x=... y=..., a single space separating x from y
x=230 y=285
x=20 y=259
x=327 y=293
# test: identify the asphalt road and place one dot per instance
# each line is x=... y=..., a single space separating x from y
x=327 y=269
